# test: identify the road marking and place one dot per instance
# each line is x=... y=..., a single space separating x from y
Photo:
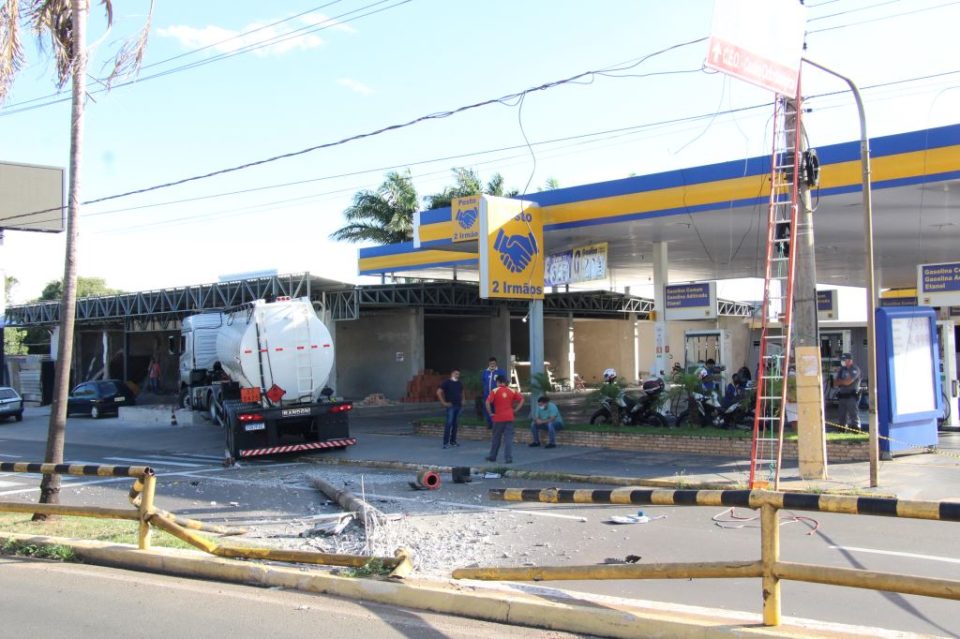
x=10 y=456
x=148 y=461
x=81 y=484
x=909 y=555
x=8 y=484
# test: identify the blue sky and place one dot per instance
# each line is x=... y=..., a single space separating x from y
x=407 y=60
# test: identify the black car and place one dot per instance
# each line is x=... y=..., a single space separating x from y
x=99 y=398
x=11 y=405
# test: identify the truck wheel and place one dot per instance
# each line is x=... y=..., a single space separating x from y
x=230 y=427
x=183 y=400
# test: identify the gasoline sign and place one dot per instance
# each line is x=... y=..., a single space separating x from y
x=465 y=213
x=511 y=249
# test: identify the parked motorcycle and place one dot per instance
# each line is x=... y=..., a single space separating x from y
x=634 y=412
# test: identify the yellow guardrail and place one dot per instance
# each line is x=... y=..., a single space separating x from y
x=770 y=569
x=142 y=495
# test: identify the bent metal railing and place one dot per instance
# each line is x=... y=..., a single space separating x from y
x=770 y=569
x=142 y=495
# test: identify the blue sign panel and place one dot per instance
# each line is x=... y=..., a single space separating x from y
x=688 y=295
x=557 y=271
x=898 y=301
x=940 y=278
x=825 y=300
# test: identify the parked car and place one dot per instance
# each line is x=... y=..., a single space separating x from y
x=11 y=404
x=99 y=398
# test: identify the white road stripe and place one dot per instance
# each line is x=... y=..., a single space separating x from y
x=909 y=555
x=8 y=484
x=148 y=461
x=10 y=456
x=81 y=484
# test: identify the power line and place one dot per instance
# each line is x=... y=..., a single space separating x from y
x=886 y=17
x=290 y=35
x=842 y=13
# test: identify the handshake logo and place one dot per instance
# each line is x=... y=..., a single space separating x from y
x=516 y=251
x=466 y=217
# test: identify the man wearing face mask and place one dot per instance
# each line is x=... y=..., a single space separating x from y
x=489 y=379
x=450 y=395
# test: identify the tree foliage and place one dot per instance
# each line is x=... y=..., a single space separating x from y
x=86 y=287
x=467 y=182
x=384 y=216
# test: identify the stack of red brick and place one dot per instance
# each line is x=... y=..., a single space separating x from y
x=423 y=387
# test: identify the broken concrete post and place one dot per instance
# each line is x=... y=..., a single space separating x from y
x=349 y=501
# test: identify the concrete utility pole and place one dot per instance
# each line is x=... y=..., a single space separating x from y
x=806 y=340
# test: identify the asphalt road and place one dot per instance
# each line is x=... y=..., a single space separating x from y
x=194 y=483
x=44 y=599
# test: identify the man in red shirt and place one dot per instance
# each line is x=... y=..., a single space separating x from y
x=502 y=402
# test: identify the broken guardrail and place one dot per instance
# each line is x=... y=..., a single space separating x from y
x=770 y=569
x=142 y=495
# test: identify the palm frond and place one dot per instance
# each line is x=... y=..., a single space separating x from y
x=11 y=50
x=130 y=56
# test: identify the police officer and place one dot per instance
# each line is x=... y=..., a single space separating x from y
x=847 y=382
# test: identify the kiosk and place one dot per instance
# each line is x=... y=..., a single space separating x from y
x=909 y=400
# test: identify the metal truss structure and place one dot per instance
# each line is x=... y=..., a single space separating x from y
x=163 y=309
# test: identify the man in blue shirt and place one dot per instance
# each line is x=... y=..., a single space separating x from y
x=450 y=395
x=489 y=379
x=546 y=415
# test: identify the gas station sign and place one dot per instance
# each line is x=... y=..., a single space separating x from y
x=465 y=213
x=827 y=305
x=511 y=249
x=691 y=301
x=939 y=284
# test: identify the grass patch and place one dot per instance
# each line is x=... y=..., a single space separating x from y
x=373 y=568
x=117 y=531
x=55 y=552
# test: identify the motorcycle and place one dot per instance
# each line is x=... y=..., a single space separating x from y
x=706 y=409
x=633 y=412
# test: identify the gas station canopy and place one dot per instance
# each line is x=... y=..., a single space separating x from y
x=713 y=217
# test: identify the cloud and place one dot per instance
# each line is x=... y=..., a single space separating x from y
x=355 y=86
x=286 y=36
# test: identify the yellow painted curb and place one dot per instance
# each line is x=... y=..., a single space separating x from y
x=678 y=483
x=515 y=604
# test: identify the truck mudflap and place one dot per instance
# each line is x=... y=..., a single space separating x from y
x=292 y=448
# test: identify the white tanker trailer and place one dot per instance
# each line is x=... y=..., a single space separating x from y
x=261 y=373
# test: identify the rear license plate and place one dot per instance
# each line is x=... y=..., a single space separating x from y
x=118 y=400
x=254 y=426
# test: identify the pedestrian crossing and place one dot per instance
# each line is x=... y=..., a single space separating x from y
x=21 y=483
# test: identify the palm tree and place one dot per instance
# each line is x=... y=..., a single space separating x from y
x=384 y=216
x=65 y=23
x=467 y=183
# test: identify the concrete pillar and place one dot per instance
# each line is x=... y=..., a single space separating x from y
x=535 y=326
x=661 y=277
x=571 y=351
x=417 y=342
x=105 y=344
x=500 y=337
x=635 y=330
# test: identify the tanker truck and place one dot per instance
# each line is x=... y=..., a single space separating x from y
x=261 y=374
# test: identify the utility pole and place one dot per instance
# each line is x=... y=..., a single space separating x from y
x=806 y=340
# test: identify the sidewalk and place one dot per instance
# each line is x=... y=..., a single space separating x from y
x=391 y=443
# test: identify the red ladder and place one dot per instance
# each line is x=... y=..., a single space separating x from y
x=777 y=311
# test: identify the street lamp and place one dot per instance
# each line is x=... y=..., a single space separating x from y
x=871 y=291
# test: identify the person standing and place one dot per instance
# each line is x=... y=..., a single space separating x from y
x=153 y=376
x=847 y=382
x=489 y=380
x=502 y=402
x=450 y=395
x=546 y=415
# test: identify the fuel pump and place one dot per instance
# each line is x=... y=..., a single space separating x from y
x=946 y=333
